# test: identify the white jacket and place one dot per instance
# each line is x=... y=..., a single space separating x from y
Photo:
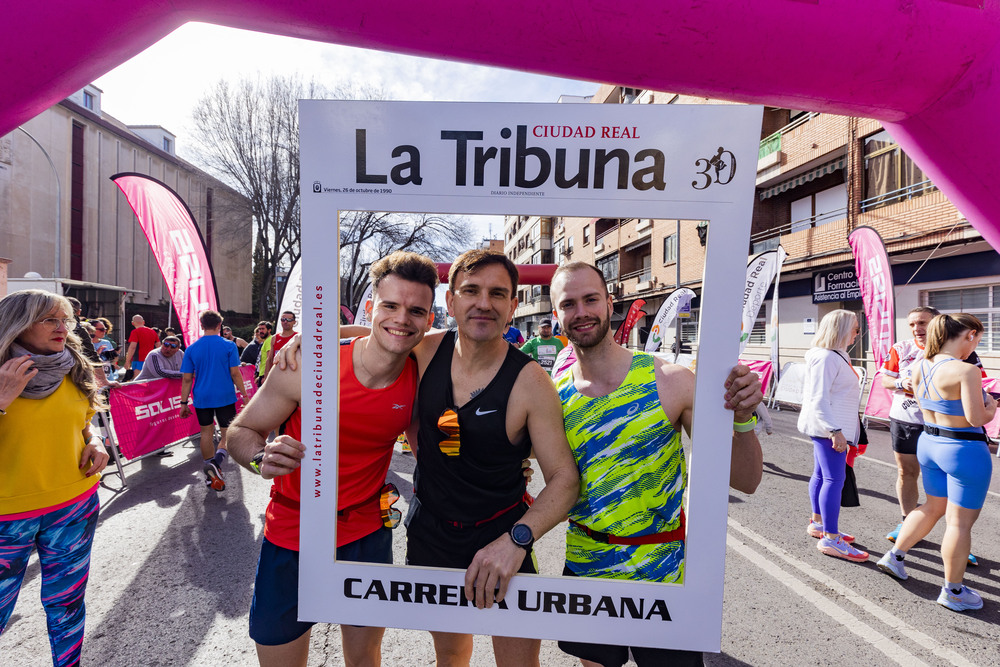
x=830 y=395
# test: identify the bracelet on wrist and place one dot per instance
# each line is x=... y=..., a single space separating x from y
x=899 y=383
x=747 y=426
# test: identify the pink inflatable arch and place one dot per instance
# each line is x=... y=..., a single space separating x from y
x=928 y=69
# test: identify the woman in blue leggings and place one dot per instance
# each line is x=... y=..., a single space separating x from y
x=954 y=457
x=830 y=396
x=48 y=480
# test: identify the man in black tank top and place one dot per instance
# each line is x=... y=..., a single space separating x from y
x=482 y=409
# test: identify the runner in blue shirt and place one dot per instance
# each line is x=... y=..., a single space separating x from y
x=213 y=363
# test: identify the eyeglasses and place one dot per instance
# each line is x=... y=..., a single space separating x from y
x=170 y=345
x=387 y=498
x=55 y=322
x=287 y=319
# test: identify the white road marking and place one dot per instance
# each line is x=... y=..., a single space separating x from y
x=888 y=647
x=881 y=463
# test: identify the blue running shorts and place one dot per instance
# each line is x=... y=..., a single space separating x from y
x=958 y=470
x=275 y=605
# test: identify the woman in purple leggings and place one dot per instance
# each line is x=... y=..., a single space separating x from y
x=830 y=396
x=48 y=480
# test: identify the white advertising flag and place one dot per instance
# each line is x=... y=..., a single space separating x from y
x=760 y=272
x=291 y=300
x=363 y=312
x=775 y=360
x=679 y=299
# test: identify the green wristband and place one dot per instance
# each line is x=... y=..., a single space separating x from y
x=745 y=427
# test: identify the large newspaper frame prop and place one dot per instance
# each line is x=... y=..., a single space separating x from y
x=421 y=157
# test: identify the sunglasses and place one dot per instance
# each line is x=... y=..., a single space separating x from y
x=387 y=498
x=170 y=345
x=287 y=319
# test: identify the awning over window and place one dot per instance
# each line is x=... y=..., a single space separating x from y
x=810 y=175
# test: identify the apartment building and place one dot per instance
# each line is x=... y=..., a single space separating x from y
x=529 y=240
x=819 y=176
x=67 y=227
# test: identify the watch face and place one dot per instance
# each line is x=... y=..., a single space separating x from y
x=521 y=534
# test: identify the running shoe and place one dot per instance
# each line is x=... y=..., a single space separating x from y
x=815 y=529
x=214 y=480
x=973 y=561
x=894 y=568
x=840 y=549
x=965 y=599
x=894 y=533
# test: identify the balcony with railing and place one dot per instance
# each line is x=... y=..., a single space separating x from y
x=637 y=281
x=807 y=139
x=898 y=195
x=817 y=236
x=769 y=154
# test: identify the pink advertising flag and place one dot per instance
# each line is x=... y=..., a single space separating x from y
x=875 y=280
x=177 y=244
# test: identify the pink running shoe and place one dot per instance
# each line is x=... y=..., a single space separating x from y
x=840 y=549
x=815 y=529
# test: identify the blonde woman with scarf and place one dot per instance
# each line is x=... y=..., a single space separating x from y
x=51 y=461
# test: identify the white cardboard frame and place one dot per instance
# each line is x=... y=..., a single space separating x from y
x=688 y=137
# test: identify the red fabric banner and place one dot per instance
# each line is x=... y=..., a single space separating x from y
x=875 y=280
x=177 y=244
x=635 y=311
x=146 y=415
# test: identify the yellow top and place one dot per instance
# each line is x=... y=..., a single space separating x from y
x=41 y=441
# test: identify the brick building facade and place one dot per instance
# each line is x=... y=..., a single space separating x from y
x=819 y=176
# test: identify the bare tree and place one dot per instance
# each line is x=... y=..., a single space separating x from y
x=367 y=236
x=248 y=134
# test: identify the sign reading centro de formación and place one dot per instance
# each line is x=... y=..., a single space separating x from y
x=579 y=160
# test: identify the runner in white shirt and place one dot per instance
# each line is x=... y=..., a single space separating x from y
x=905 y=419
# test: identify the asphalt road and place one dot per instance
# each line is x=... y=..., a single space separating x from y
x=173 y=569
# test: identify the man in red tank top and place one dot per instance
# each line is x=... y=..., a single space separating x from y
x=378 y=383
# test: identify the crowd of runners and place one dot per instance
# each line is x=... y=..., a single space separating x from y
x=605 y=433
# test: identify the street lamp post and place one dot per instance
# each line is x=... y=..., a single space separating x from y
x=55 y=172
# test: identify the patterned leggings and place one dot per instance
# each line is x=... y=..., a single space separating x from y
x=63 y=538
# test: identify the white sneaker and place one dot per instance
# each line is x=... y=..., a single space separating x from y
x=840 y=549
x=965 y=599
x=893 y=567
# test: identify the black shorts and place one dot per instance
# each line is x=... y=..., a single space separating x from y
x=224 y=415
x=904 y=436
x=609 y=655
x=431 y=542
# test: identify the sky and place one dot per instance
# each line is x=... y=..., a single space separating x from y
x=161 y=85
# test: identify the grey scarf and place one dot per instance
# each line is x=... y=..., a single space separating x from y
x=52 y=368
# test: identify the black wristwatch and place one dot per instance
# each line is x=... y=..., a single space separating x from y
x=522 y=536
x=255 y=462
